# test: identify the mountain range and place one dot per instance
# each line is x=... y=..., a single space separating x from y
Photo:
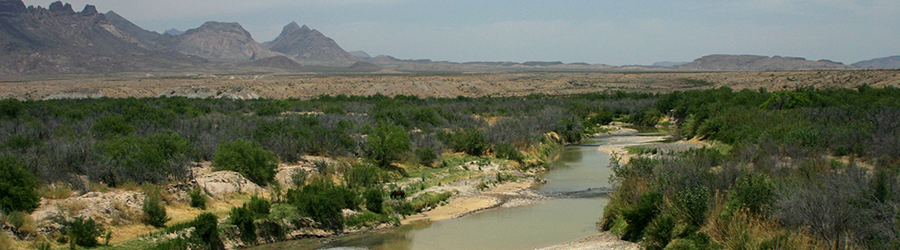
x=59 y=40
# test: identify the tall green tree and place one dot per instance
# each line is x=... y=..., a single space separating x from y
x=387 y=143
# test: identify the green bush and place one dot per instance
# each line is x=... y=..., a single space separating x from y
x=658 y=233
x=198 y=198
x=154 y=212
x=470 y=141
x=82 y=232
x=206 y=228
x=374 y=200
x=751 y=191
x=18 y=187
x=369 y=219
x=426 y=156
x=322 y=201
x=259 y=206
x=364 y=176
x=153 y=159
x=11 y=107
x=248 y=158
x=386 y=144
x=112 y=125
x=639 y=215
x=298 y=179
x=508 y=151
x=243 y=218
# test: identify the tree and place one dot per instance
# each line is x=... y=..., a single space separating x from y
x=247 y=158
x=18 y=187
x=387 y=143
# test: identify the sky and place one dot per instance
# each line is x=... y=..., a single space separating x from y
x=612 y=32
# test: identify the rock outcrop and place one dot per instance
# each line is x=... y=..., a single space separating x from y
x=190 y=92
x=239 y=93
x=308 y=45
x=80 y=93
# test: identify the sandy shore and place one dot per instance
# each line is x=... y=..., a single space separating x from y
x=470 y=200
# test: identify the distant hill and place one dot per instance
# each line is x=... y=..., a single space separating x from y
x=173 y=32
x=892 y=62
x=360 y=54
x=305 y=44
x=57 y=40
x=668 y=64
x=758 y=63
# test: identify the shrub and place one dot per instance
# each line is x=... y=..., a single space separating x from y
x=112 y=125
x=22 y=222
x=369 y=219
x=299 y=178
x=470 y=141
x=198 y=198
x=247 y=158
x=11 y=107
x=753 y=192
x=322 y=201
x=639 y=215
x=82 y=232
x=152 y=159
x=508 y=151
x=363 y=176
x=154 y=212
x=426 y=156
x=429 y=200
x=259 y=206
x=374 y=200
x=386 y=144
x=658 y=233
x=18 y=187
x=243 y=218
x=206 y=228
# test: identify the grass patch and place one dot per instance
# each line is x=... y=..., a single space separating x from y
x=369 y=219
x=429 y=200
x=56 y=190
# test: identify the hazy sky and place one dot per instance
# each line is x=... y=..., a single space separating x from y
x=601 y=31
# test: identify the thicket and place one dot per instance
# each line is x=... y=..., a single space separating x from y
x=152 y=140
x=781 y=186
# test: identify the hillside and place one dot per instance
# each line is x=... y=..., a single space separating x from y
x=222 y=42
x=59 y=40
x=892 y=62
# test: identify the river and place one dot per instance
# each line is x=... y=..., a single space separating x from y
x=565 y=218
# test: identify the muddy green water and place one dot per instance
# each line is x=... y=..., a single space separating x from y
x=556 y=221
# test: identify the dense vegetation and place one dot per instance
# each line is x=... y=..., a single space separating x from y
x=778 y=184
x=803 y=169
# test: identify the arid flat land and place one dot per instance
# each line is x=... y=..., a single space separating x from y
x=442 y=85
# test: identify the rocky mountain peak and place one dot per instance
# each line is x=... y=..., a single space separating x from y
x=222 y=27
x=59 y=8
x=305 y=44
x=12 y=6
x=89 y=10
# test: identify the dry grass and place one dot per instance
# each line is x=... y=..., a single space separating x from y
x=56 y=190
x=743 y=230
x=126 y=214
x=72 y=207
